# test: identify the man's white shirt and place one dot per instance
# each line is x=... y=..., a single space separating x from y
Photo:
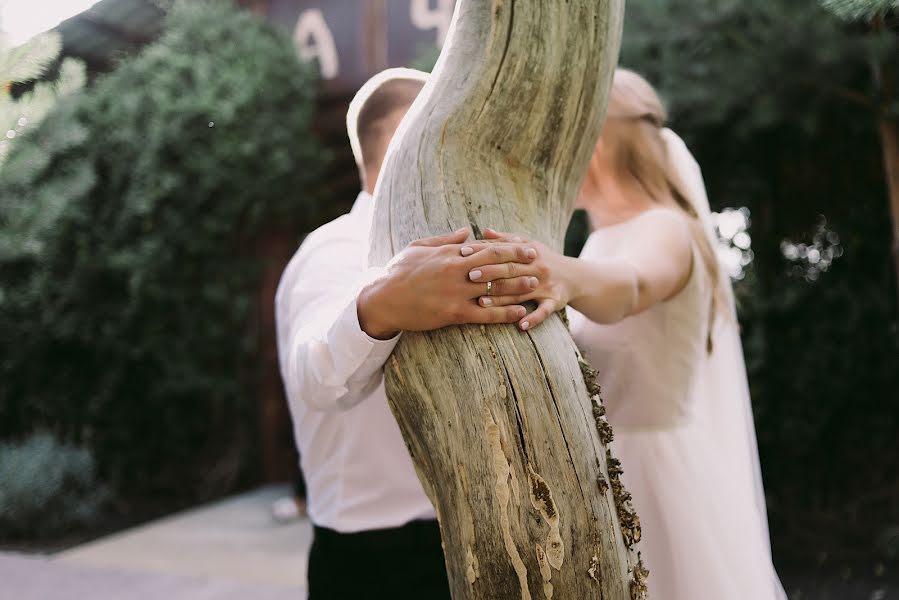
x=359 y=475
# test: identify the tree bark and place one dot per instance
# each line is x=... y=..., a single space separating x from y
x=505 y=428
x=889 y=136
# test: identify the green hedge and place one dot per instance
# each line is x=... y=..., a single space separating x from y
x=48 y=488
x=127 y=224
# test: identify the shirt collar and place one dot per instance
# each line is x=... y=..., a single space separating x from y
x=363 y=211
x=364 y=203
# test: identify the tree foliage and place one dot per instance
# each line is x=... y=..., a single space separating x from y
x=858 y=10
x=28 y=64
x=48 y=488
x=127 y=222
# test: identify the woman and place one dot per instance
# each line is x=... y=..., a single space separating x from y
x=653 y=313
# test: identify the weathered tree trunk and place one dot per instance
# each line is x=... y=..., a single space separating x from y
x=507 y=439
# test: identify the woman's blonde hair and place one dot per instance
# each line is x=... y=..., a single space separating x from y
x=633 y=136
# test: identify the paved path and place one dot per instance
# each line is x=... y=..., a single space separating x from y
x=232 y=550
x=41 y=578
x=229 y=550
x=232 y=539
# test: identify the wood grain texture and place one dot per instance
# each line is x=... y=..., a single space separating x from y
x=500 y=424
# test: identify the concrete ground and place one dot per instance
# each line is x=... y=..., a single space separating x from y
x=41 y=578
x=223 y=551
x=233 y=550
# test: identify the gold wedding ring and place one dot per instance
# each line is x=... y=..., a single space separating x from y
x=489 y=288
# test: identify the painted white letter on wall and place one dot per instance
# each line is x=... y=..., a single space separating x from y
x=424 y=17
x=314 y=40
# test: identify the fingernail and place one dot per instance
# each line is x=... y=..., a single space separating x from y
x=487 y=301
x=533 y=282
x=466 y=251
x=475 y=275
x=531 y=253
x=462 y=229
x=521 y=311
x=525 y=326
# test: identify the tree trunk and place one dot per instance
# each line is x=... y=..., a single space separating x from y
x=885 y=79
x=889 y=137
x=508 y=441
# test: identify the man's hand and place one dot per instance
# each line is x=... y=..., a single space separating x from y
x=432 y=284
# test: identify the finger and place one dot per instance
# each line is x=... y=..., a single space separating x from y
x=457 y=237
x=517 y=286
x=505 y=314
x=509 y=270
x=492 y=234
x=478 y=245
x=495 y=254
x=544 y=310
x=488 y=301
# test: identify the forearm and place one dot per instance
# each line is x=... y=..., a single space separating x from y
x=332 y=364
x=605 y=291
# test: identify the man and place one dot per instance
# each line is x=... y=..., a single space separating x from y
x=375 y=533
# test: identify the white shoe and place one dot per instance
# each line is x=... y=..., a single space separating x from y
x=290 y=508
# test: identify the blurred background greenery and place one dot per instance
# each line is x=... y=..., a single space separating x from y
x=133 y=210
x=129 y=220
x=783 y=104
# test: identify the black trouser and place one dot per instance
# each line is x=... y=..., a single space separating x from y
x=299 y=484
x=406 y=562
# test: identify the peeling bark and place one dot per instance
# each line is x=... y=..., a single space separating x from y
x=506 y=428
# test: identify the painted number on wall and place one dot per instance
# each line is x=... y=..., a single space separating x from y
x=315 y=40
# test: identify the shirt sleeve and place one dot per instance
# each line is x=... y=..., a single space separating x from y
x=327 y=361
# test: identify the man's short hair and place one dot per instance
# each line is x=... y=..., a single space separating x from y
x=386 y=92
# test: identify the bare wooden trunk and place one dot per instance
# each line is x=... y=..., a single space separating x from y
x=507 y=439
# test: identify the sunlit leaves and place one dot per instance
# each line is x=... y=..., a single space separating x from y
x=860 y=10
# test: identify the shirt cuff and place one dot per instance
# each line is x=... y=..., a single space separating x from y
x=371 y=274
x=372 y=352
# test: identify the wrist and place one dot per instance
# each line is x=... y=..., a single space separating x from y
x=571 y=279
x=373 y=312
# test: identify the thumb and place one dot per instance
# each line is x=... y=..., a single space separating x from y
x=492 y=234
x=456 y=237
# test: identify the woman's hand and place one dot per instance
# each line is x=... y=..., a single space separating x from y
x=550 y=287
x=651 y=266
x=436 y=282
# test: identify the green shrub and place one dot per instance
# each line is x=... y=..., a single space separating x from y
x=47 y=488
x=128 y=223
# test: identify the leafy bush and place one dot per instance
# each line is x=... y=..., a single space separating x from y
x=28 y=64
x=47 y=488
x=128 y=223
